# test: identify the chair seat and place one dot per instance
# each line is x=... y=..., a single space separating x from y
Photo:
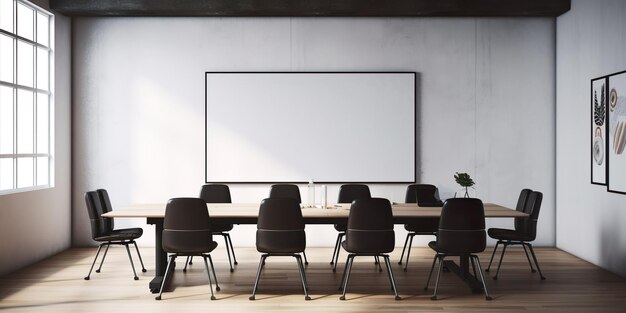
x=433 y=245
x=423 y=226
x=280 y=241
x=221 y=227
x=508 y=234
x=341 y=227
x=193 y=249
x=121 y=234
x=345 y=246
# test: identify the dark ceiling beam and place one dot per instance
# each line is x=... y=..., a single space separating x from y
x=347 y=8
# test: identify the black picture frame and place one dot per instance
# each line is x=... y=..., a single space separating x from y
x=598 y=134
x=616 y=119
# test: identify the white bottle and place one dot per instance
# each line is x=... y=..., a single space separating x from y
x=311 y=194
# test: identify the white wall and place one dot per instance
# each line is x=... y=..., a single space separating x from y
x=486 y=101
x=591 y=42
x=37 y=224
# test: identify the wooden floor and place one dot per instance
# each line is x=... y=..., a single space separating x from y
x=57 y=285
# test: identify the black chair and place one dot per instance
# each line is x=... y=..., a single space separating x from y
x=425 y=196
x=187 y=232
x=287 y=191
x=525 y=231
x=461 y=233
x=218 y=193
x=102 y=230
x=369 y=233
x=347 y=194
x=280 y=232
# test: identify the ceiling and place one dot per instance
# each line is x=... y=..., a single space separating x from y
x=313 y=8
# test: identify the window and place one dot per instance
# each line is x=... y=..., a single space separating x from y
x=26 y=99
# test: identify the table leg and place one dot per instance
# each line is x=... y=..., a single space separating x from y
x=462 y=270
x=160 y=256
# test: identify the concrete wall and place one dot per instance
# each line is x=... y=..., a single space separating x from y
x=37 y=224
x=486 y=102
x=591 y=42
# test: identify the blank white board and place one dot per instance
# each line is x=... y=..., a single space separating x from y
x=265 y=127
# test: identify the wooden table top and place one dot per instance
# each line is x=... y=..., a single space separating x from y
x=339 y=211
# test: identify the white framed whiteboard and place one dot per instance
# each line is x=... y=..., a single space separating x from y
x=329 y=127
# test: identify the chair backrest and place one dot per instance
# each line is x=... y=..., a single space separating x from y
x=528 y=225
x=106 y=207
x=351 y=192
x=521 y=206
x=99 y=226
x=215 y=193
x=280 y=226
x=186 y=226
x=423 y=195
x=285 y=191
x=370 y=226
x=462 y=226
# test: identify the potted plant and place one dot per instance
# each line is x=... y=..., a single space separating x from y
x=465 y=181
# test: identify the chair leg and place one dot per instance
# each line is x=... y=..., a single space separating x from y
x=391 y=278
x=217 y=286
x=532 y=269
x=504 y=245
x=434 y=296
x=473 y=267
x=431 y=272
x=337 y=243
x=103 y=257
x=230 y=262
x=338 y=250
x=187 y=261
x=377 y=261
x=343 y=275
x=408 y=254
x=258 y=275
x=143 y=268
x=190 y=258
x=303 y=277
x=492 y=254
x=167 y=273
x=232 y=249
x=306 y=262
x=208 y=272
x=404 y=248
x=94 y=261
x=532 y=252
x=482 y=277
x=349 y=262
x=131 y=261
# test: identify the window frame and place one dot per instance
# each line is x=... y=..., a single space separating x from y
x=36 y=92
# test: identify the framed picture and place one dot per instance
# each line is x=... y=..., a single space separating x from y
x=598 y=130
x=616 y=133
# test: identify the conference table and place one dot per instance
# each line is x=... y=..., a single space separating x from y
x=234 y=213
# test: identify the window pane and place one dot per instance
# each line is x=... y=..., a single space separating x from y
x=25 y=172
x=42 y=171
x=42 y=29
x=6 y=58
x=42 y=123
x=6 y=174
x=25 y=122
x=6 y=120
x=42 y=69
x=25 y=62
x=25 y=21
x=6 y=15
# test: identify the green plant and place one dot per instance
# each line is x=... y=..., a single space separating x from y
x=465 y=181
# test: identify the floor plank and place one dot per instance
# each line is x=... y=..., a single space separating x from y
x=56 y=285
